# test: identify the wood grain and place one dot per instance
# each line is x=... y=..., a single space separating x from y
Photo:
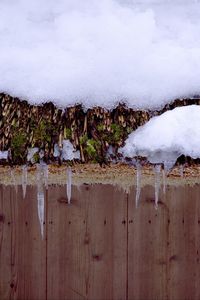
x=100 y=247
x=87 y=244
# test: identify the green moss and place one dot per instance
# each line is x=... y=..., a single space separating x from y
x=18 y=146
x=83 y=139
x=117 y=132
x=92 y=149
x=100 y=128
x=67 y=133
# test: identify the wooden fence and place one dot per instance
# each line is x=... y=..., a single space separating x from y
x=100 y=246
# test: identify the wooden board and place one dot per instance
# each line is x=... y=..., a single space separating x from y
x=87 y=243
x=184 y=243
x=25 y=252
x=147 y=246
x=5 y=244
x=100 y=247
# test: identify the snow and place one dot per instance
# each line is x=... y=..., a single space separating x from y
x=164 y=138
x=68 y=151
x=100 y=52
x=3 y=154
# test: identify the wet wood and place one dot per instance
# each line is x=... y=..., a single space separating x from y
x=100 y=246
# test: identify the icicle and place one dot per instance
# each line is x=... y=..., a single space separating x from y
x=40 y=201
x=40 y=197
x=157 y=184
x=13 y=180
x=138 y=184
x=46 y=174
x=24 y=180
x=69 y=184
x=164 y=181
x=181 y=170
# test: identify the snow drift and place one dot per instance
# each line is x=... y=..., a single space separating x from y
x=100 y=52
x=164 y=138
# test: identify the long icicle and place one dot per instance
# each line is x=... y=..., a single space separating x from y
x=164 y=180
x=40 y=198
x=157 y=184
x=24 y=180
x=138 y=184
x=69 y=184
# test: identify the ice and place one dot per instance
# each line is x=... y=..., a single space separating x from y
x=4 y=155
x=12 y=175
x=100 y=52
x=40 y=202
x=40 y=197
x=31 y=153
x=138 y=184
x=24 y=180
x=68 y=151
x=45 y=174
x=164 y=138
x=164 y=180
x=57 y=151
x=69 y=184
x=157 y=184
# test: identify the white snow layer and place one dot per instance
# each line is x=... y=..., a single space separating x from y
x=100 y=52
x=164 y=138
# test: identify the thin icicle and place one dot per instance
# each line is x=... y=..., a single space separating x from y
x=46 y=174
x=40 y=197
x=138 y=184
x=40 y=201
x=157 y=184
x=69 y=184
x=24 y=180
x=164 y=181
x=12 y=175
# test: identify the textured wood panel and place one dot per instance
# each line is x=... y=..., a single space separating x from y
x=101 y=246
x=147 y=247
x=24 y=253
x=5 y=243
x=87 y=248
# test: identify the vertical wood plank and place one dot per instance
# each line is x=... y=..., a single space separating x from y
x=184 y=235
x=87 y=243
x=28 y=250
x=147 y=247
x=5 y=243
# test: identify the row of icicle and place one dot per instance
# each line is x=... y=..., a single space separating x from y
x=42 y=184
x=157 y=171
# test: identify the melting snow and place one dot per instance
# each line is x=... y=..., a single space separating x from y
x=3 y=154
x=164 y=138
x=68 y=151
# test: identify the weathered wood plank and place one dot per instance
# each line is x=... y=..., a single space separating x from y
x=184 y=243
x=87 y=243
x=5 y=244
x=28 y=250
x=147 y=247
